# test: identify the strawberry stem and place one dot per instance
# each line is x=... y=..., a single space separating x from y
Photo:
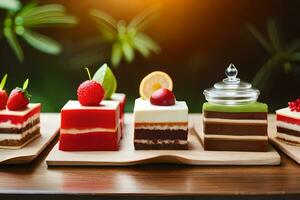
x=88 y=71
x=3 y=81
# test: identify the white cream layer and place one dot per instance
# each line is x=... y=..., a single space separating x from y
x=144 y=111
x=8 y=124
x=78 y=131
x=288 y=113
x=293 y=127
x=236 y=137
x=18 y=136
x=235 y=121
x=287 y=137
x=166 y=127
x=141 y=141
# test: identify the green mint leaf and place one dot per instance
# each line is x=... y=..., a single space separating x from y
x=25 y=84
x=107 y=79
x=3 y=81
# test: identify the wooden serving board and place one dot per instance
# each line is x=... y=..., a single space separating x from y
x=292 y=150
x=49 y=129
x=128 y=156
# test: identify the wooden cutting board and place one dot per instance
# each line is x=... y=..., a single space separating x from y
x=49 y=129
x=292 y=150
x=128 y=156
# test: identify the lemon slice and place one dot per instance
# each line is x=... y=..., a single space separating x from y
x=153 y=82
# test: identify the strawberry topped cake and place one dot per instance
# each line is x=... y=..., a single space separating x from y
x=19 y=119
x=160 y=122
x=288 y=122
x=93 y=123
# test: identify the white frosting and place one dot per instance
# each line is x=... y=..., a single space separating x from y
x=293 y=127
x=29 y=108
x=18 y=136
x=159 y=127
x=144 y=111
x=78 y=131
x=118 y=96
x=8 y=124
x=287 y=137
x=236 y=121
x=141 y=141
x=236 y=137
x=288 y=113
x=104 y=105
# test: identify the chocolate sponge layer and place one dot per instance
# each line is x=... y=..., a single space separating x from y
x=155 y=134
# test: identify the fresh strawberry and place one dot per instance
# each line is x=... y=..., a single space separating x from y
x=90 y=92
x=163 y=97
x=3 y=94
x=294 y=105
x=19 y=98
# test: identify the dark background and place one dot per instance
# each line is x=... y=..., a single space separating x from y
x=198 y=38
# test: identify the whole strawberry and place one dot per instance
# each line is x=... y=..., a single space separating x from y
x=3 y=94
x=19 y=98
x=90 y=92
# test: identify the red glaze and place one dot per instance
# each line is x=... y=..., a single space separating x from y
x=90 y=93
x=286 y=119
x=17 y=100
x=294 y=105
x=162 y=97
x=3 y=99
x=19 y=118
x=122 y=99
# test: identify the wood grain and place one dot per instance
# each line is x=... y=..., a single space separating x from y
x=151 y=180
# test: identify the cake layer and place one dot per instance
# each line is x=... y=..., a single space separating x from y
x=145 y=112
x=235 y=128
x=288 y=131
x=288 y=113
x=162 y=126
x=17 y=136
x=122 y=99
x=287 y=119
x=19 y=143
x=294 y=127
x=149 y=134
x=92 y=141
x=10 y=118
x=243 y=115
x=160 y=145
x=215 y=144
x=245 y=108
x=75 y=116
x=19 y=129
x=288 y=137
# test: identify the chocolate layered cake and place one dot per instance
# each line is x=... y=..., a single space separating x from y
x=18 y=128
x=288 y=125
x=235 y=127
x=160 y=127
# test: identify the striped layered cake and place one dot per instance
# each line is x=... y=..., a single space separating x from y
x=18 y=128
x=90 y=128
x=160 y=127
x=288 y=125
x=235 y=127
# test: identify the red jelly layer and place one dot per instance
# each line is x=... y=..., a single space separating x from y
x=286 y=119
x=122 y=99
x=16 y=118
x=94 y=141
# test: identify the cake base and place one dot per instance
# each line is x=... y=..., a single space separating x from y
x=18 y=144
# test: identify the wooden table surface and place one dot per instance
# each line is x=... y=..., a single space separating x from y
x=168 y=181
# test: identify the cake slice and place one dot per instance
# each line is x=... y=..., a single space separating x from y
x=18 y=128
x=160 y=127
x=120 y=97
x=288 y=123
x=235 y=127
x=90 y=128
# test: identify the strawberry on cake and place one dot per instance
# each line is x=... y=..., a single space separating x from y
x=19 y=119
x=91 y=123
x=288 y=122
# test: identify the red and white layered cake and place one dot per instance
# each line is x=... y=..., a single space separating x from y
x=120 y=97
x=288 y=123
x=18 y=128
x=90 y=128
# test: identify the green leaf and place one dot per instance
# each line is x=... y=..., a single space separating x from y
x=41 y=42
x=12 y=5
x=107 y=79
x=27 y=9
x=42 y=22
x=40 y=10
x=13 y=43
x=148 y=42
x=273 y=35
x=260 y=38
x=103 y=17
x=140 y=46
x=294 y=45
x=116 y=54
x=295 y=56
x=25 y=84
x=127 y=51
x=3 y=81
